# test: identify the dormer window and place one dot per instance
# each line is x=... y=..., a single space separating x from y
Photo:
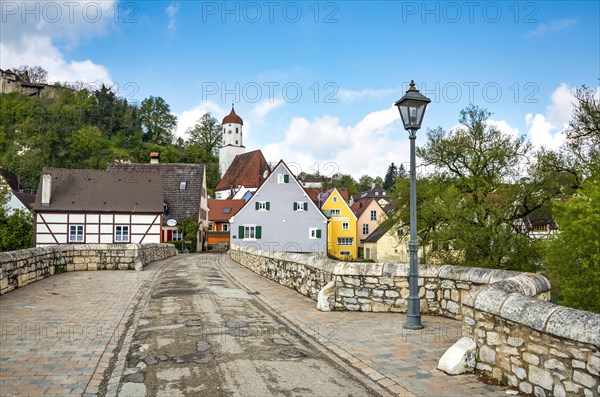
x=182 y=185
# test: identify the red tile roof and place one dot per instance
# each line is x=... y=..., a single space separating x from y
x=360 y=206
x=247 y=170
x=233 y=118
x=217 y=209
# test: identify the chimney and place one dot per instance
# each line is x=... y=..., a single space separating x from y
x=154 y=158
x=46 y=188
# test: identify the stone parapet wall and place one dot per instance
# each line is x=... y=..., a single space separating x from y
x=534 y=345
x=19 y=268
x=383 y=287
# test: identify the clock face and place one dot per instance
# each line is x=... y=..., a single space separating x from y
x=171 y=222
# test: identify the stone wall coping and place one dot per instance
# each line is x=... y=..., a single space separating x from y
x=513 y=299
x=530 y=284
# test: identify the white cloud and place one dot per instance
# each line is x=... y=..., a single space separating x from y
x=550 y=27
x=548 y=130
x=38 y=50
x=542 y=133
x=503 y=127
x=172 y=10
x=324 y=144
x=188 y=118
x=263 y=108
x=30 y=31
x=563 y=103
x=347 y=95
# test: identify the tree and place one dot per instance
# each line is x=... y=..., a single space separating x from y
x=16 y=227
x=35 y=74
x=585 y=124
x=365 y=182
x=471 y=211
x=402 y=172
x=157 y=121
x=573 y=257
x=207 y=134
x=390 y=177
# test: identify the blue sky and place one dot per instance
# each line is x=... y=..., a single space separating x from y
x=315 y=81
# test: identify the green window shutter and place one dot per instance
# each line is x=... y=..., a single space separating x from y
x=268 y=205
x=305 y=206
x=318 y=233
x=286 y=179
x=258 y=232
x=241 y=232
x=256 y=205
x=295 y=206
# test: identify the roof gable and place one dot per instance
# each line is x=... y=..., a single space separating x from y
x=102 y=191
x=344 y=207
x=361 y=206
x=282 y=168
x=247 y=169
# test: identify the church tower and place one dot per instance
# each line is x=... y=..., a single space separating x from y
x=232 y=140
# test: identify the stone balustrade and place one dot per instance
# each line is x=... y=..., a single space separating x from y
x=19 y=268
x=522 y=339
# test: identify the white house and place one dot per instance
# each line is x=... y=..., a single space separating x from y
x=91 y=206
x=280 y=217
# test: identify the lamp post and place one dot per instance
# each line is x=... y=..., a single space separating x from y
x=187 y=215
x=412 y=109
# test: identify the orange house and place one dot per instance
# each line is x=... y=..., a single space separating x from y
x=219 y=213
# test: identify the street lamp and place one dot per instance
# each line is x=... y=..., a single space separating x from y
x=187 y=215
x=412 y=109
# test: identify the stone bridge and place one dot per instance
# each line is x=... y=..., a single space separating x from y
x=202 y=324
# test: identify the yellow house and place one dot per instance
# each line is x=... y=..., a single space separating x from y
x=341 y=228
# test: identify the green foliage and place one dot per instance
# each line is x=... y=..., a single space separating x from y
x=190 y=230
x=157 y=121
x=342 y=180
x=573 y=257
x=16 y=228
x=469 y=212
x=83 y=129
x=391 y=177
x=206 y=134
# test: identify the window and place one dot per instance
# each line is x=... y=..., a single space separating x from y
x=335 y=199
x=76 y=233
x=367 y=253
x=262 y=206
x=236 y=130
x=345 y=226
x=362 y=241
x=210 y=226
x=365 y=228
x=314 y=233
x=250 y=232
x=300 y=206
x=344 y=253
x=345 y=241
x=182 y=185
x=376 y=193
x=227 y=210
x=121 y=234
x=283 y=178
x=177 y=235
x=373 y=215
x=335 y=211
x=225 y=227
